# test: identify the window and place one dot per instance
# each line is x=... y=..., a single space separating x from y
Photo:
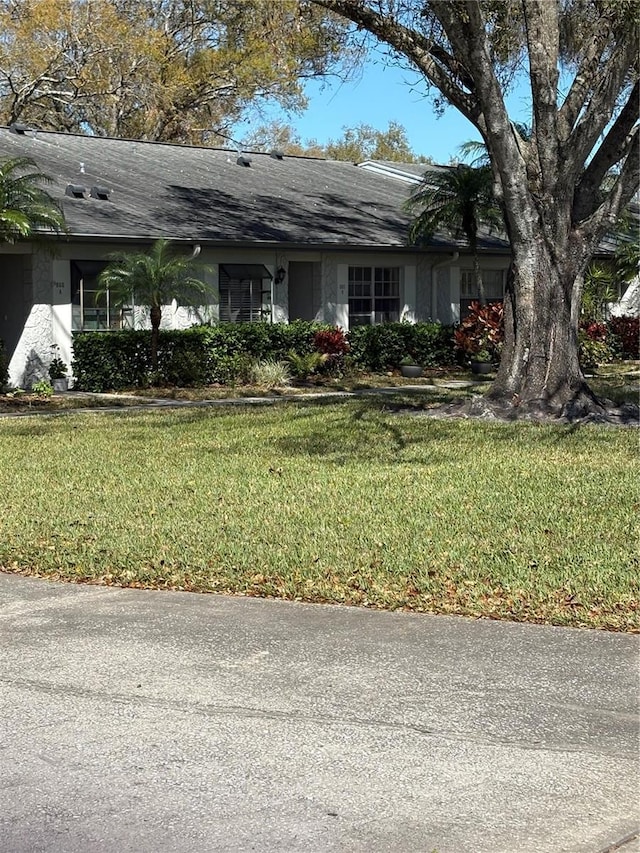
x=374 y=295
x=493 y=281
x=245 y=293
x=90 y=311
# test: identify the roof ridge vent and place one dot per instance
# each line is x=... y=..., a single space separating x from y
x=277 y=154
x=243 y=160
x=102 y=193
x=19 y=128
x=75 y=191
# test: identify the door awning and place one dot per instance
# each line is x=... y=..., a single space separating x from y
x=245 y=272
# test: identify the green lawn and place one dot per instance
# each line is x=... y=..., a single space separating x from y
x=344 y=502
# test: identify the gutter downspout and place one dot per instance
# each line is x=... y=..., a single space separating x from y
x=434 y=284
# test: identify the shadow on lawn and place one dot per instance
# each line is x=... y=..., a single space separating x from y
x=370 y=434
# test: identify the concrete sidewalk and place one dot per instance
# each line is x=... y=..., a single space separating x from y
x=135 y=403
x=161 y=722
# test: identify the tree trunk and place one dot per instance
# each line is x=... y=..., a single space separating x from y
x=539 y=370
x=156 y=316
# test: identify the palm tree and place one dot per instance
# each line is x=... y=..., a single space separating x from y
x=25 y=207
x=154 y=278
x=457 y=199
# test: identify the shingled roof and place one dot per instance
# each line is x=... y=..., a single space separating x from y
x=196 y=193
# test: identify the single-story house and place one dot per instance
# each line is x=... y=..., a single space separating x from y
x=282 y=238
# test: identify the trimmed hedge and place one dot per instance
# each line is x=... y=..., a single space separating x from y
x=380 y=348
x=627 y=330
x=4 y=366
x=223 y=354
x=205 y=355
x=200 y=355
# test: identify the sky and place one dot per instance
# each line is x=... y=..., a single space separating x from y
x=385 y=93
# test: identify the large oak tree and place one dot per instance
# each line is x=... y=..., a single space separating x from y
x=564 y=186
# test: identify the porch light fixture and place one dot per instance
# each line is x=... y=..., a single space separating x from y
x=280 y=275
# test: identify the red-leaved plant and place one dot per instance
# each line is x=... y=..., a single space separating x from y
x=482 y=330
x=333 y=345
x=331 y=342
x=627 y=330
x=595 y=331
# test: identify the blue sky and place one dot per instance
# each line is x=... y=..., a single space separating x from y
x=385 y=93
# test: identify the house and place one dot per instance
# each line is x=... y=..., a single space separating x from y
x=283 y=238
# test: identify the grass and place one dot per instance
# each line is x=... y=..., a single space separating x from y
x=344 y=503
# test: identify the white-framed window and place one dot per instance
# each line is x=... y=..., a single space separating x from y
x=493 y=282
x=91 y=310
x=245 y=293
x=374 y=295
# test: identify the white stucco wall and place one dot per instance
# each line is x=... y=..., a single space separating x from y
x=32 y=355
x=61 y=309
x=280 y=311
x=330 y=296
x=629 y=304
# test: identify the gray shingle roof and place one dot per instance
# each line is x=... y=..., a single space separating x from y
x=191 y=193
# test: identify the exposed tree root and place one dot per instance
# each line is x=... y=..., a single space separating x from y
x=583 y=409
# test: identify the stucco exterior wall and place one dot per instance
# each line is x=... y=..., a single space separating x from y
x=423 y=309
x=629 y=304
x=32 y=354
x=41 y=300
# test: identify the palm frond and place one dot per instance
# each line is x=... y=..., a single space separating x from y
x=25 y=207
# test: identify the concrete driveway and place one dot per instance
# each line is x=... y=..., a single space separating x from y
x=155 y=721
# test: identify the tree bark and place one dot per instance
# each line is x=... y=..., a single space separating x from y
x=539 y=370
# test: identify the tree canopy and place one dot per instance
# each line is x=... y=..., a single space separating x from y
x=170 y=70
x=362 y=142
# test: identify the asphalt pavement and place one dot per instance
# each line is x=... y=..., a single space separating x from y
x=162 y=722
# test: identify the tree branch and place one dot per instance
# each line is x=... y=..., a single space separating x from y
x=600 y=109
x=438 y=66
x=543 y=43
x=624 y=187
x=587 y=74
x=614 y=148
x=466 y=29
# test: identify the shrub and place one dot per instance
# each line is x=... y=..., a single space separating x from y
x=376 y=348
x=200 y=355
x=4 y=366
x=303 y=366
x=111 y=361
x=269 y=373
x=380 y=348
x=481 y=329
x=596 y=345
x=334 y=346
x=331 y=342
x=42 y=388
x=430 y=343
x=627 y=331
